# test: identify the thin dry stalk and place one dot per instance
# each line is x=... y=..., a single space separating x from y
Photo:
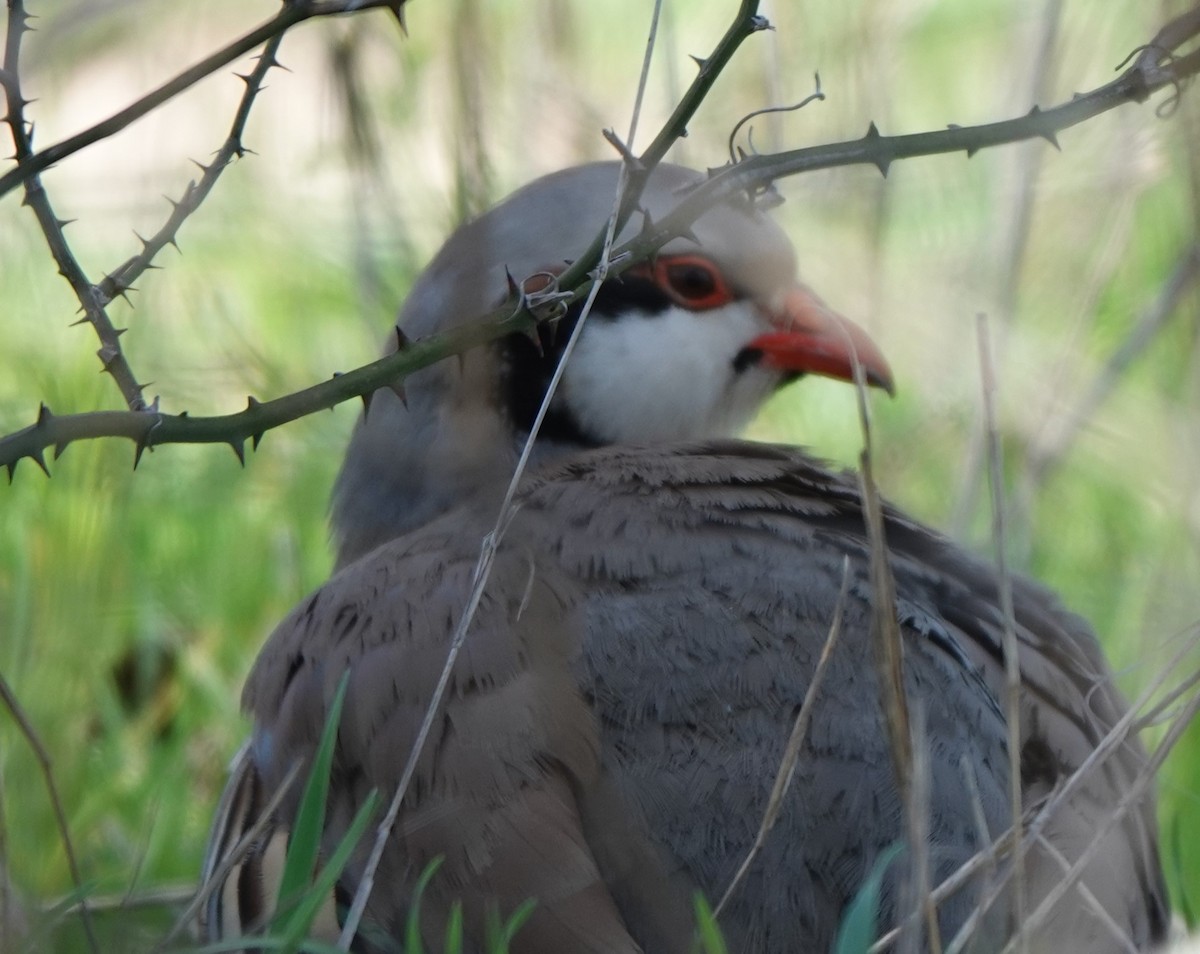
x=43 y=758
x=491 y=543
x=1159 y=712
x=923 y=904
x=164 y=896
x=889 y=653
x=981 y=825
x=1089 y=898
x=1130 y=800
x=1012 y=658
x=12 y=919
x=986 y=857
x=6 y=892
x=372 y=195
x=470 y=55
x=1117 y=230
x=483 y=568
x=791 y=752
x=215 y=878
x=971 y=923
x=1028 y=164
x=889 y=650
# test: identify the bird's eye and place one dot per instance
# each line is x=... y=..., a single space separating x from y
x=692 y=281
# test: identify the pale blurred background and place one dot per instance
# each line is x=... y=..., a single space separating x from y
x=131 y=605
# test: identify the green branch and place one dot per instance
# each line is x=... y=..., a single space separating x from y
x=1156 y=67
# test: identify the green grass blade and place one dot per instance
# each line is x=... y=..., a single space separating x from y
x=1177 y=855
x=707 y=929
x=454 y=930
x=412 y=928
x=500 y=935
x=860 y=922
x=305 y=844
x=322 y=887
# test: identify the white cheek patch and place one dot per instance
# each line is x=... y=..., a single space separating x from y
x=669 y=376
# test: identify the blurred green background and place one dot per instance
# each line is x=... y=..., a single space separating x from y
x=132 y=604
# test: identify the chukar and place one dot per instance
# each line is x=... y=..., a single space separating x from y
x=653 y=619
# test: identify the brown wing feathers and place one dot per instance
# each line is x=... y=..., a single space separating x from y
x=629 y=698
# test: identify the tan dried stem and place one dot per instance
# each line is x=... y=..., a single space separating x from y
x=1089 y=898
x=1017 y=226
x=1009 y=644
x=791 y=751
x=1130 y=800
x=13 y=923
x=1002 y=845
x=629 y=185
x=886 y=637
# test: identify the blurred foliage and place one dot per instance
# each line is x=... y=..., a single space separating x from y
x=133 y=604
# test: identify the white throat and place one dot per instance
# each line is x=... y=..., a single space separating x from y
x=666 y=376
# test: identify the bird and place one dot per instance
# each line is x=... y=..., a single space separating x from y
x=656 y=609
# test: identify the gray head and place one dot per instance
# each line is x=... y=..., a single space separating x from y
x=688 y=346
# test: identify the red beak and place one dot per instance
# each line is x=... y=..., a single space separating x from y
x=812 y=339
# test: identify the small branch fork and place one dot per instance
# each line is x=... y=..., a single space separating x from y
x=52 y=226
x=94 y=298
x=120 y=280
x=292 y=13
x=1157 y=65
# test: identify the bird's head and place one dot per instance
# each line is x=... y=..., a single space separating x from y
x=685 y=346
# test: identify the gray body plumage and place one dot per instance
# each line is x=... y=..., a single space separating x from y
x=652 y=623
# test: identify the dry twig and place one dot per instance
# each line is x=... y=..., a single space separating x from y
x=791 y=752
x=1154 y=68
x=60 y=817
x=1011 y=648
x=1003 y=843
x=634 y=174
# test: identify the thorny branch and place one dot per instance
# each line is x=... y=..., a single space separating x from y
x=1156 y=66
x=94 y=298
x=52 y=226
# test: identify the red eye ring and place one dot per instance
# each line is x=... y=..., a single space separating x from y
x=692 y=281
